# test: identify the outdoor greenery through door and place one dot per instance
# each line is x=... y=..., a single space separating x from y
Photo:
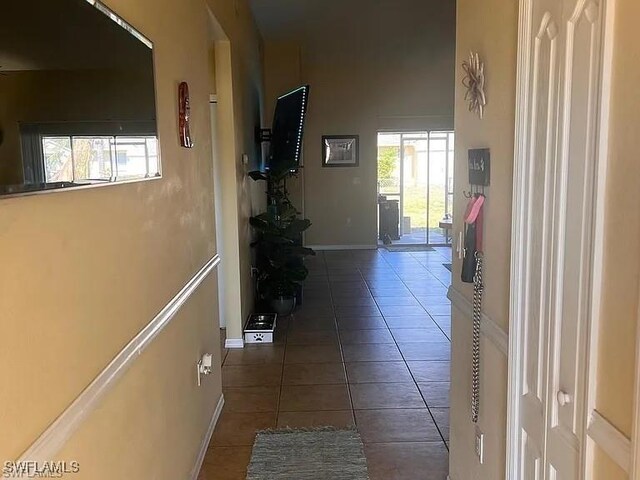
x=416 y=170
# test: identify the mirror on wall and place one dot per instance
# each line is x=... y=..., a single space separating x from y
x=77 y=98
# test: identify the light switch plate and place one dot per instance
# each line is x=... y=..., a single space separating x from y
x=479 y=445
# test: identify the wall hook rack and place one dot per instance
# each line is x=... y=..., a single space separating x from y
x=474 y=192
x=479 y=171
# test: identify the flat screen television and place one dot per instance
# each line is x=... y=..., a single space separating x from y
x=287 y=130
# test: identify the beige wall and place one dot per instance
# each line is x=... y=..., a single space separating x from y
x=390 y=70
x=619 y=314
x=605 y=468
x=243 y=57
x=489 y=27
x=153 y=423
x=85 y=271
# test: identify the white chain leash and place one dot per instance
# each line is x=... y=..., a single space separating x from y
x=478 y=288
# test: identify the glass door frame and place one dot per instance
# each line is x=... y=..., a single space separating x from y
x=414 y=135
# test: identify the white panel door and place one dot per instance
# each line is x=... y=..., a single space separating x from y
x=541 y=158
x=580 y=97
x=560 y=99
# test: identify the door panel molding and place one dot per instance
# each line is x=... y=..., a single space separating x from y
x=583 y=21
x=553 y=49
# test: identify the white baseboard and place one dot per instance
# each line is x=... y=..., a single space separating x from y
x=207 y=439
x=321 y=248
x=53 y=439
x=611 y=440
x=234 y=343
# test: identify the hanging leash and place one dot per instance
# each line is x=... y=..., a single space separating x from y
x=478 y=288
x=472 y=272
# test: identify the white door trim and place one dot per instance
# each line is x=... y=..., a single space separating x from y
x=518 y=253
x=517 y=241
x=599 y=225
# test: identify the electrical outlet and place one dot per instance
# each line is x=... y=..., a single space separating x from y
x=254 y=272
x=480 y=445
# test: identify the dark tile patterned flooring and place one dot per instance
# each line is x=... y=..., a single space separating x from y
x=370 y=347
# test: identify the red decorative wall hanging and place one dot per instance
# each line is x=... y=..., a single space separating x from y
x=185 y=113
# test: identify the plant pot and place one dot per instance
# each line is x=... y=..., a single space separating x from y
x=283 y=306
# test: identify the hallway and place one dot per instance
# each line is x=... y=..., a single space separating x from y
x=370 y=346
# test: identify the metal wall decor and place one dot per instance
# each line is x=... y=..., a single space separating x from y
x=184 y=111
x=474 y=82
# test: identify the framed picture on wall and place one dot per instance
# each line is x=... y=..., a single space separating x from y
x=340 y=150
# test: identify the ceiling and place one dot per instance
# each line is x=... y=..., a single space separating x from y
x=282 y=20
x=304 y=19
x=64 y=34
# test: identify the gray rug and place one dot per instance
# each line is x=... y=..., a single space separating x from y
x=316 y=454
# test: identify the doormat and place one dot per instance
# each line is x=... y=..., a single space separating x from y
x=409 y=248
x=308 y=454
x=447 y=266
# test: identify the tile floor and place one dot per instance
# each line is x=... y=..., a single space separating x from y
x=369 y=347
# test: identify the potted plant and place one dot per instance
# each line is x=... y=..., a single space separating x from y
x=280 y=254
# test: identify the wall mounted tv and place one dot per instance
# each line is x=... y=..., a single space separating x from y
x=287 y=130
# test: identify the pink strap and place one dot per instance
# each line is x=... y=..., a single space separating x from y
x=479 y=229
x=470 y=205
x=475 y=210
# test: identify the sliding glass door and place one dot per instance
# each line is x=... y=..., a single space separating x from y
x=415 y=170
